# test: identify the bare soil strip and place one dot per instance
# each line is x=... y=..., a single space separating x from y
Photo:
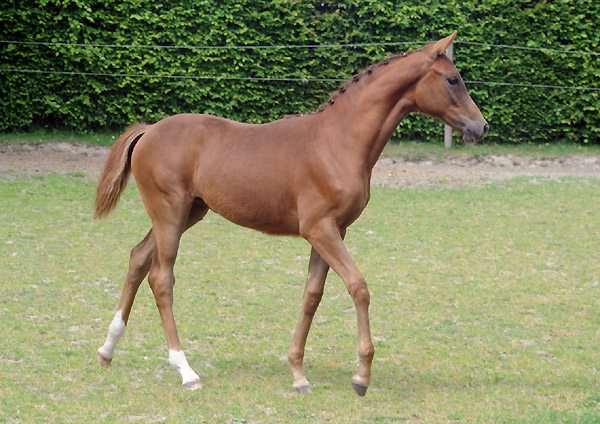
x=87 y=162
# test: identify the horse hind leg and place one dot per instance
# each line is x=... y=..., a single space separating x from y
x=315 y=282
x=162 y=281
x=140 y=259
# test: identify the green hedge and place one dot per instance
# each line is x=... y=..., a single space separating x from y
x=93 y=102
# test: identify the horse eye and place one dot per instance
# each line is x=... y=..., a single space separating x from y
x=453 y=80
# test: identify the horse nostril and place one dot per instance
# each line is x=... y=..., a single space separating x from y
x=486 y=128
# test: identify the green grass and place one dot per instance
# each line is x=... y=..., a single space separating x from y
x=415 y=151
x=40 y=136
x=484 y=310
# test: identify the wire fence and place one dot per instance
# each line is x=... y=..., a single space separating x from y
x=293 y=46
x=274 y=47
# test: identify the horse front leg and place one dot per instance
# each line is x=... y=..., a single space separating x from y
x=327 y=239
x=313 y=291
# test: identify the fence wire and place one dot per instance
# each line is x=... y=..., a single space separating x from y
x=275 y=47
x=291 y=46
x=267 y=79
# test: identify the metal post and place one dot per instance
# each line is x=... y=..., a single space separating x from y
x=447 y=128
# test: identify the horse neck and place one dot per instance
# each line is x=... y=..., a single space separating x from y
x=367 y=113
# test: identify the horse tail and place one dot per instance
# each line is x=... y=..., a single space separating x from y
x=117 y=169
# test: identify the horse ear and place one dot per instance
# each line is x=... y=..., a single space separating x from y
x=439 y=47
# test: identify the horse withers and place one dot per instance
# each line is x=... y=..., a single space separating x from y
x=307 y=175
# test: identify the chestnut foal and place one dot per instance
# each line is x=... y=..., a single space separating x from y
x=306 y=176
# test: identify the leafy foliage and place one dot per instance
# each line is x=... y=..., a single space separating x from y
x=90 y=102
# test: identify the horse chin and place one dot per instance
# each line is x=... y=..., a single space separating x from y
x=472 y=137
x=469 y=138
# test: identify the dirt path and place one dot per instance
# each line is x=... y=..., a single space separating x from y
x=464 y=171
x=87 y=161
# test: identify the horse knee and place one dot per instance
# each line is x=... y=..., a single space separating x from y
x=161 y=283
x=359 y=292
x=139 y=259
x=312 y=298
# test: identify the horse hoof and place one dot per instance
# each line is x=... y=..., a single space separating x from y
x=193 y=385
x=303 y=389
x=105 y=362
x=359 y=389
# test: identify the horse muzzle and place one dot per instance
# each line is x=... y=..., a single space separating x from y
x=475 y=131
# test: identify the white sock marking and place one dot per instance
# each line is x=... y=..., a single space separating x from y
x=178 y=361
x=116 y=329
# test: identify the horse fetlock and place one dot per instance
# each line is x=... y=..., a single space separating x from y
x=300 y=383
x=366 y=353
x=116 y=329
x=189 y=379
x=295 y=357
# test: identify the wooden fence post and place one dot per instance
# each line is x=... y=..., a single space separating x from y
x=447 y=128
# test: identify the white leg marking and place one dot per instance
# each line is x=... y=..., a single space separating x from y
x=178 y=361
x=116 y=330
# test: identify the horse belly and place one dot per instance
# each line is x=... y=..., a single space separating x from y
x=252 y=203
x=249 y=174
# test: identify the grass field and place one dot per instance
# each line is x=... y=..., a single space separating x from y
x=484 y=309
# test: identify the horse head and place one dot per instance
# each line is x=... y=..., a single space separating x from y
x=441 y=93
